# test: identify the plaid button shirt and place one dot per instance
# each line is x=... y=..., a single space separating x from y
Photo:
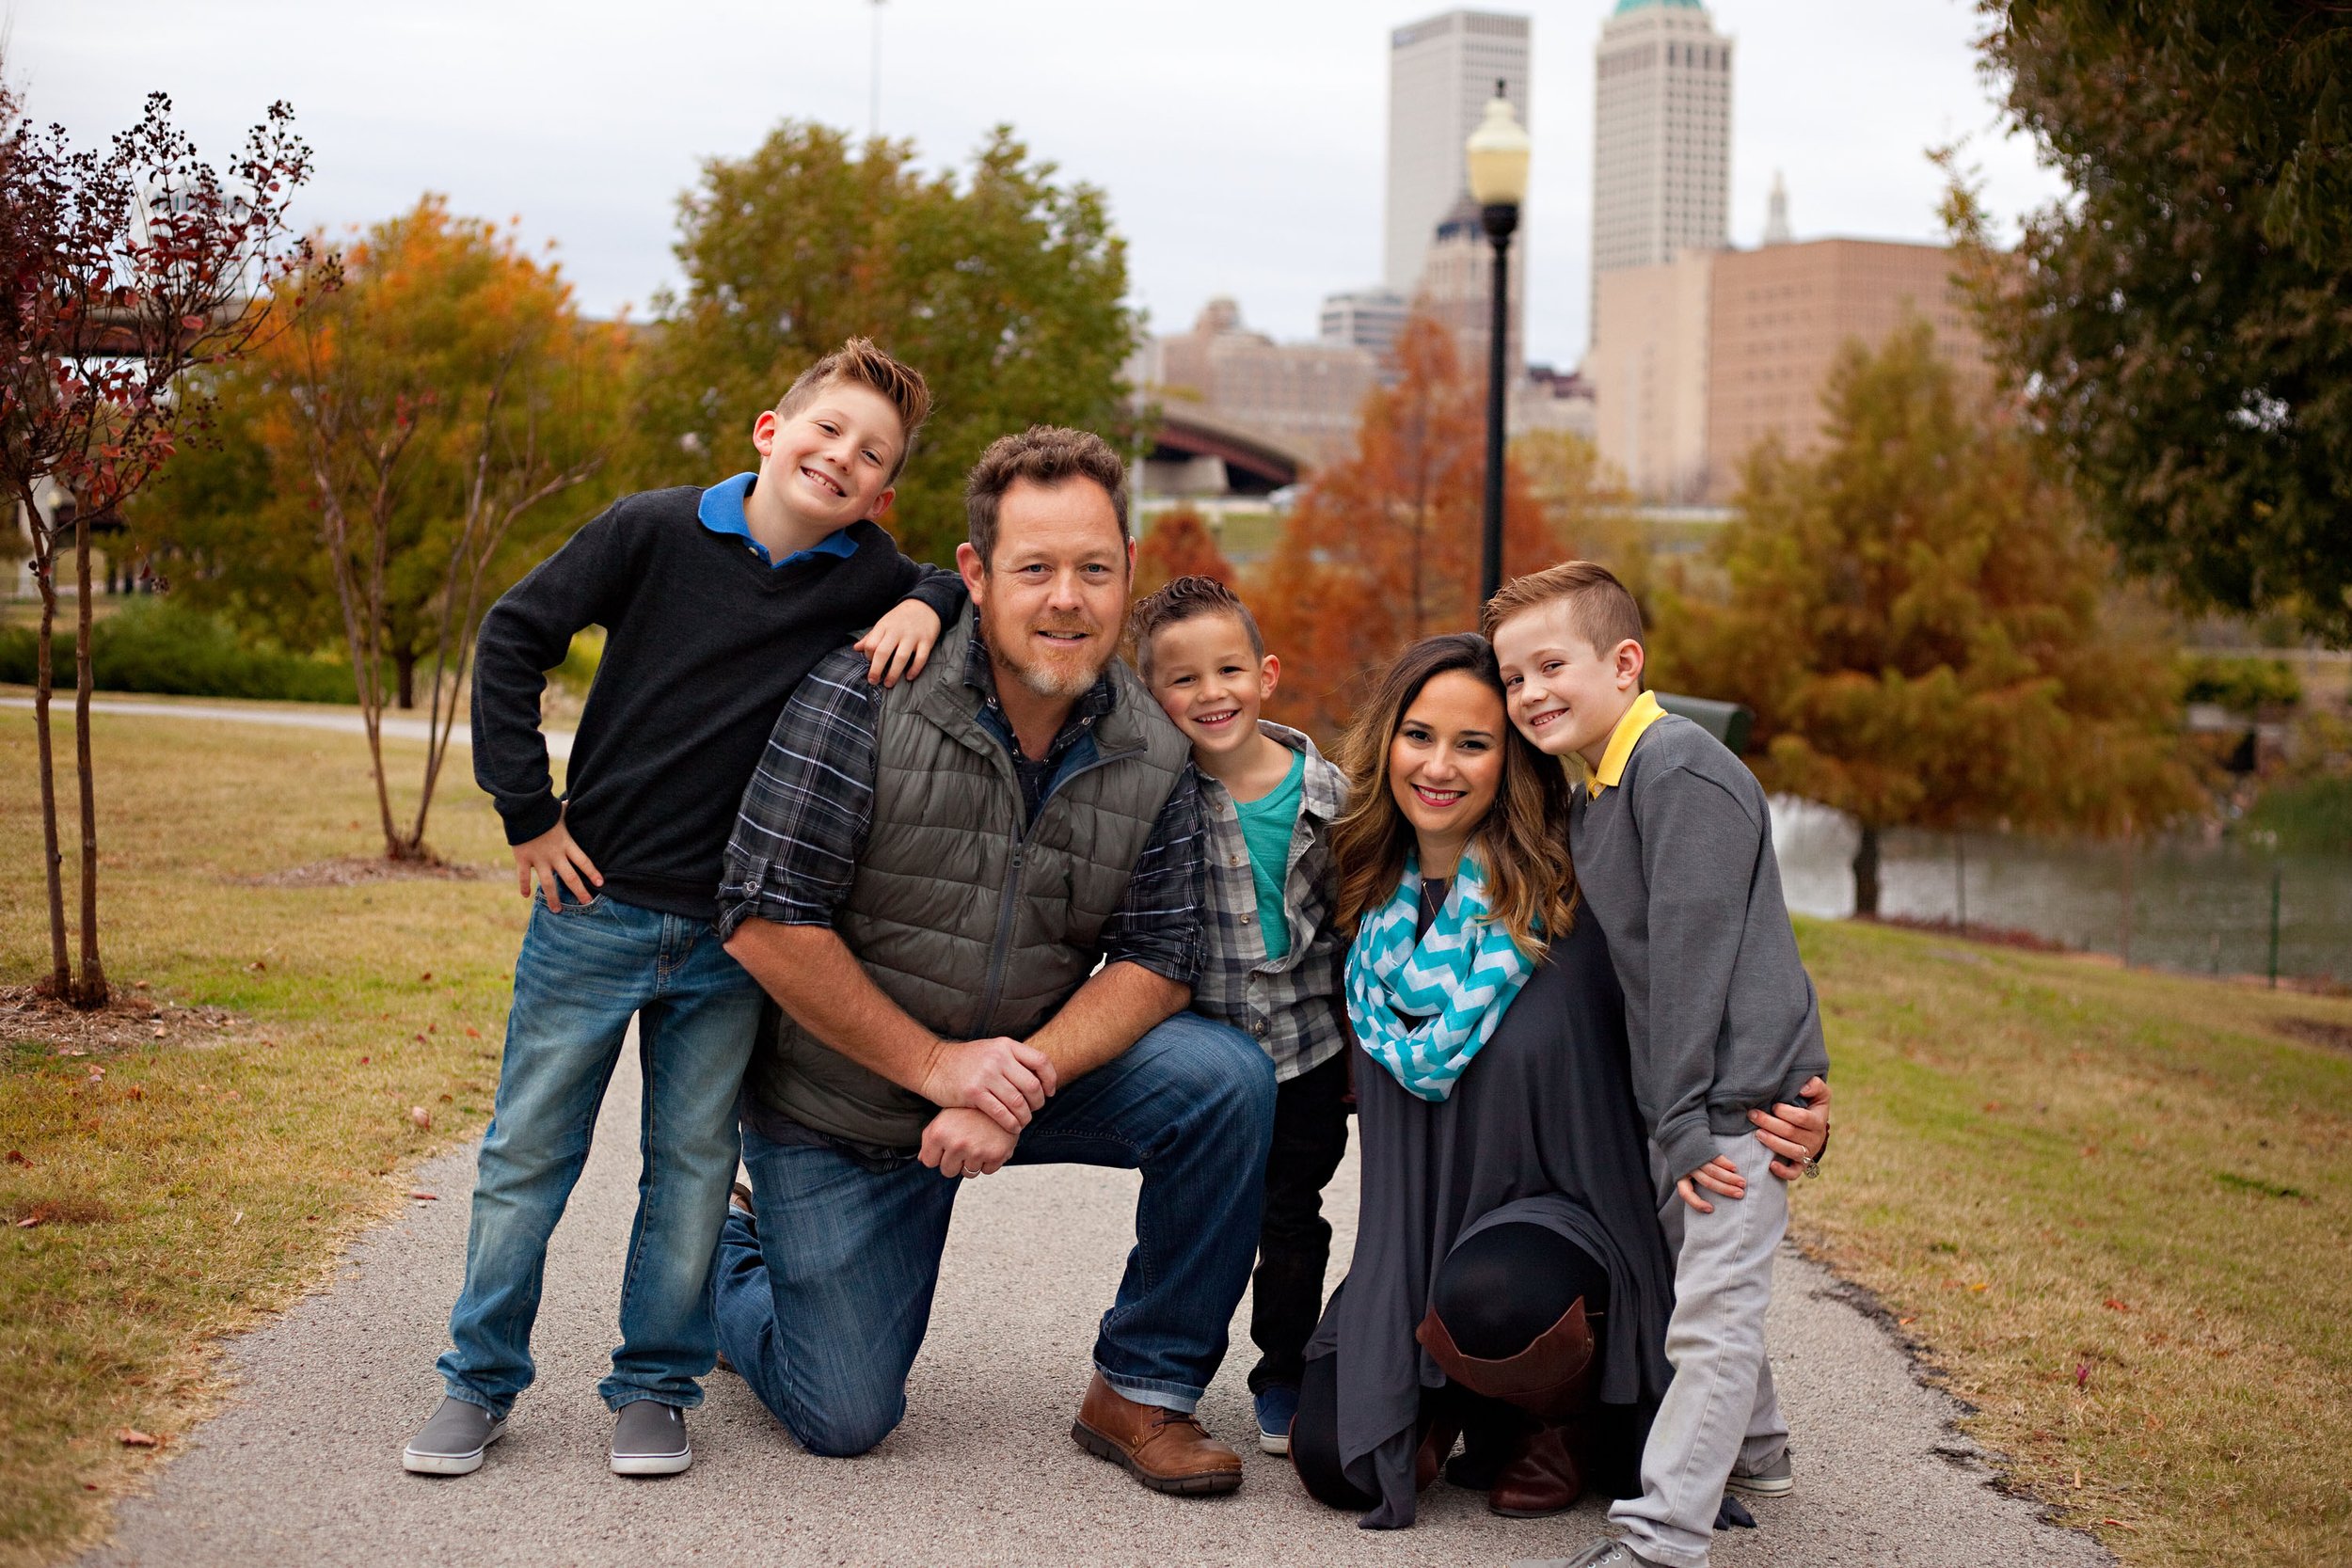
x=1290 y=1005
x=806 y=812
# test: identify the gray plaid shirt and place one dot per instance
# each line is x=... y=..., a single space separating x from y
x=1292 y=1004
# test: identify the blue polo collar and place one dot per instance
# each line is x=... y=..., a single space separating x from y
x=722 y=512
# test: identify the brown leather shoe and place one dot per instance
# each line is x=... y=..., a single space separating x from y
x=1547 y=1477
x=1167 y=1450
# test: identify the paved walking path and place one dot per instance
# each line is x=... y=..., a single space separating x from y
x=303 y=1467
x=287 y=715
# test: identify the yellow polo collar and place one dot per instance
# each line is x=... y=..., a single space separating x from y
x=1641 y=715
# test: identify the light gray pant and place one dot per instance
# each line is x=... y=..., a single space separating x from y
x=1720 y=1408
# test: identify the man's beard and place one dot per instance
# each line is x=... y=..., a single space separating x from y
x=1057 y=680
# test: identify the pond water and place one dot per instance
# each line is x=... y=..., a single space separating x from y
x=2193 y=906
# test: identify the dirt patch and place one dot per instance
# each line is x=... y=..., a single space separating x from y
x=28 y=1212
x=131 y=1018
x=1998 y=936
x=353 y=870
x=2316 y=1031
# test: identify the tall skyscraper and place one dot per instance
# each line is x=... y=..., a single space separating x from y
x=1441 y=71
x=1662 y=137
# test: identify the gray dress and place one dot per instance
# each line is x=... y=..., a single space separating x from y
x=1540 y=1129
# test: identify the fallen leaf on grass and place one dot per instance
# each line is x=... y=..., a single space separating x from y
x=28 y=1221
x=2114 y=1306
x=426 y=1198
x=2119 y=1524
x=473 y=1033
x=132 y=1437
x=16 y=1157
x=422 y=1118
x=1905 y=1322
x=2082 y=1374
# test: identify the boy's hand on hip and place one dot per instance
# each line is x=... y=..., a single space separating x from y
x=558 y=862
x=1796 y=1135
x=899 y=644
x=1006 y=1080
x=1718 y=1175
x=965 y=1143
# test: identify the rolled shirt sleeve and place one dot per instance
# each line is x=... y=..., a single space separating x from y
x=1158 y=925
x=810 y=804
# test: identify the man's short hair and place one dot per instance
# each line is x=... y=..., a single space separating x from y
x=1601 y=610
x=1042 y=455
x=1188 y=598
x=859 y=361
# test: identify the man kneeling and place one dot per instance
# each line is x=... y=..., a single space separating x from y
x=925 y=879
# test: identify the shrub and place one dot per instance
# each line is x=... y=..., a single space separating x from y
x=2239 y=685
x=155 y=645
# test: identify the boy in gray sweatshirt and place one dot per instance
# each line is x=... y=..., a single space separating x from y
x=1672 y=844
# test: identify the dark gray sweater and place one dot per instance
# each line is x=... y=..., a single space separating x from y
x=1676 y=864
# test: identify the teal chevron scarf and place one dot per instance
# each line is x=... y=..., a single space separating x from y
x=1455 y=982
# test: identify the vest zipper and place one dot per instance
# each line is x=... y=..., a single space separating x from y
x=1001 y=952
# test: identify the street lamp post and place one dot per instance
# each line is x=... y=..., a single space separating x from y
x=1497 y=154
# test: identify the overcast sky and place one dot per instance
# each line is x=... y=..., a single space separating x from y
x=1241 y=141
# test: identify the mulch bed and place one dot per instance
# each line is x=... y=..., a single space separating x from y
x=2316 y=1031
x=131 y=1018
x=354 y=870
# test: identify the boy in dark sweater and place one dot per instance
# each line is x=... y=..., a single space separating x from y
x=1671 y=838
x=715 y=604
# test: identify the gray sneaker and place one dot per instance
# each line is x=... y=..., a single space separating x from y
x=1603 y=1553
x=1774 y=1478
x=452 y=1442
x=649 y=1439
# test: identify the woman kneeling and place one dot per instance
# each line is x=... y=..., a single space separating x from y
x=1510 y=1283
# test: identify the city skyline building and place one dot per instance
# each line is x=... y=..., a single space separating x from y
x=1457 y=291
x=1699 y=359
x=1441 y=71
x=1368 y=319
x=1662 y=137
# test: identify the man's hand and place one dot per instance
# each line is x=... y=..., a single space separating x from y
x=1005 y=1080
x=1718 y=1175
x=965 y=1143
x=1795 y=1133
x=558 y=862
x=900 y=642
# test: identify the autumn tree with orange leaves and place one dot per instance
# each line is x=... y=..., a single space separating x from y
x=415 y=442
x=1179 y=545
x=1383 y=547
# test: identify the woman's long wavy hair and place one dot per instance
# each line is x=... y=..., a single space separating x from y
x=1522 y=844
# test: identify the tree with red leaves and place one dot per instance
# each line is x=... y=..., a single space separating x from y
x=125 y=271
x=1179 y=545
x=1383 y=547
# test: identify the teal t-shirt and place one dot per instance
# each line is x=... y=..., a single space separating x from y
x=1266 y=826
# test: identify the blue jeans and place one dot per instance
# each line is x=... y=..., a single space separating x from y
x=585 y=972
x=823 y=1309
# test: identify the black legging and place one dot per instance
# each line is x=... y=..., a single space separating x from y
x=1495 y=1292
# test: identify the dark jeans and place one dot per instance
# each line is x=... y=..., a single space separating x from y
x=823 y=1308
x=1294 y=1240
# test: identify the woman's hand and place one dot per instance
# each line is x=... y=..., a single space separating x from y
x=1796 y=1135
x=900 y=642
x=1718 y=1175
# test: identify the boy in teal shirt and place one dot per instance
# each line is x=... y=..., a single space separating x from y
x=1267 y=802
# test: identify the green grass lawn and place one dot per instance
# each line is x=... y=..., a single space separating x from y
x=194 y=1187
x=2116 y=1210
x=2111 y=1207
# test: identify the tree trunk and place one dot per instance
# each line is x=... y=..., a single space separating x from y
x=90 y=991
x=1865 y=873
x=53 y=858
x=405 y=666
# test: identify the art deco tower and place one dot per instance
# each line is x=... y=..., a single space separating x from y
x=1661 y=135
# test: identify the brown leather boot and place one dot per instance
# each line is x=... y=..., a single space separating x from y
x=1551 y=1380
x=1165 y=1450
x=1546 y=1478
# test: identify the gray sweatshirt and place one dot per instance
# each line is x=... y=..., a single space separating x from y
x=1676 y=864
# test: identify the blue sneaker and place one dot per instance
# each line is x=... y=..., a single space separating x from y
x=1278 y=1404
